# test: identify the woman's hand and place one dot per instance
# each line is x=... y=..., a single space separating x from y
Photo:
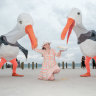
x=61 y=51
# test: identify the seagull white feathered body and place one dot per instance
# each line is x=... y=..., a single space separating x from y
x=8 y=52
x=88 y=48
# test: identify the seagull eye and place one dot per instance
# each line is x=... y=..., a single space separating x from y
x=20 y=22
x=78 y=13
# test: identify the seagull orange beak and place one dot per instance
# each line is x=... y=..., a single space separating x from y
x=33 y=39
x=69 y=26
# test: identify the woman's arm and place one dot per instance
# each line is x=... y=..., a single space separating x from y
x=39 y=50
x=59 y=53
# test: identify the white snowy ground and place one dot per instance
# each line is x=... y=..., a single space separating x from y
x=67 y=83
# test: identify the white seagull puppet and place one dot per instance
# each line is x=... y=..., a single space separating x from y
x=86 y=39
x=9 y=47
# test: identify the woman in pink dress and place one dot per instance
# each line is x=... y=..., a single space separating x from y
x=49 y=66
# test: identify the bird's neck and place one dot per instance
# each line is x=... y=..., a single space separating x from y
x=14 y=35
x=80 y=29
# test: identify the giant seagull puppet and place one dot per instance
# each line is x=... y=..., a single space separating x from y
x=9 y=47
x=86 y=38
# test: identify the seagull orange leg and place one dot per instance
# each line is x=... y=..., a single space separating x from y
x=87 y=61
x=14 y=62
x=3 y=61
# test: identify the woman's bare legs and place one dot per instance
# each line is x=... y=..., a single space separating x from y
x=56 y=71
x=51 y=77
